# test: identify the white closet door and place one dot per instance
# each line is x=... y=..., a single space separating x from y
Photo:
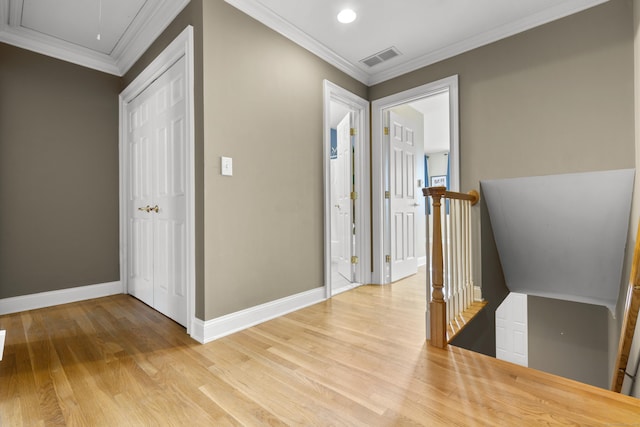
x=157 y=195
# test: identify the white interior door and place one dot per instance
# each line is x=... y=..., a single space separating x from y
x=344 y=206
x=140 y=254
x=157 y=208
x=512 y=335
x=403 y=203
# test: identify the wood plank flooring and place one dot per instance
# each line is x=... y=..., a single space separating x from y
x=358 y=359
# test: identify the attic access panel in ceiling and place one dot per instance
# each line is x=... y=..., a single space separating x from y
x=80 y=21
x=68 y=29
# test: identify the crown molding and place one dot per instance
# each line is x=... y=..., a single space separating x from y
x=272 y=20
x=35 y=42
x=508 y=30
x=266 y=16
x=142 y=32
x=135 y=44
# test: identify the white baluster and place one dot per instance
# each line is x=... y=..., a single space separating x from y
x=446 y=257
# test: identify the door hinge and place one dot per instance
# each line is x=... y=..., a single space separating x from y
x=354 y=260
x=354 y=195
x=387 y=258
x=386 y=130
x=353 y=132
x=387 y=194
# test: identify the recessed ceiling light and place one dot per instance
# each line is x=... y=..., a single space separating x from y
x=346 y=16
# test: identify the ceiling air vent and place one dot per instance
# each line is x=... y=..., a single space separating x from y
x=382 y=56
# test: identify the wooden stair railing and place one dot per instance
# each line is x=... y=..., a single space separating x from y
x=629 y=320
x=460 y=296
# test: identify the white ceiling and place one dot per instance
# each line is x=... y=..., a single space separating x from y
x=435 y=113
x=68 y=29
x=423 y=31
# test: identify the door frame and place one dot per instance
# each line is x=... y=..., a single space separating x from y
x=380 y=161
x=360 y=106
x=182 y=45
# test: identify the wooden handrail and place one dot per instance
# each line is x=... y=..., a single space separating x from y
x=630 y=318
x=437 y=305
x=472 y=195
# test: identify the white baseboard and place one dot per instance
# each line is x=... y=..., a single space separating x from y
x=422 y=261
x=210 y=330
x=62 y=296
x=477 y=293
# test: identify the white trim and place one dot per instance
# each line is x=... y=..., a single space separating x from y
x=219 y=327
x=3 y=334
x=35 y=42
x=258 y=11
x=152 y=20
x=62 y=296
x=512 y=28
x=477 y=293
x=133 y=45
x=379 y=162
x=422 y=261
x=183 y=45
x=360 y=106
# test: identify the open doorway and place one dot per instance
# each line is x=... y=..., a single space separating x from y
x=346 y=169
x=415 y=145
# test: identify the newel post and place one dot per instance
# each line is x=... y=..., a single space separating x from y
x=437 y=306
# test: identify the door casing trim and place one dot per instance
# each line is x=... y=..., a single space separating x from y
x=333 y=92
x=379 y=159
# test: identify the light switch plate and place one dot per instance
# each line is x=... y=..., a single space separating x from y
x=226 y=166
x=3 y=334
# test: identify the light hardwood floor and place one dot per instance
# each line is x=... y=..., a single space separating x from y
x=358 y=359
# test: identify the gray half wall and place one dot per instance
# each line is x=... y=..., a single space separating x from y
x=569 y=339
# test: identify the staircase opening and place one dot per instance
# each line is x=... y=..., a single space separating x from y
x=561 y=241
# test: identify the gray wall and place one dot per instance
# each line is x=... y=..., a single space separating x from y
x=569 y=339
x=555 y=99
x=58 y=174
x=263 y=103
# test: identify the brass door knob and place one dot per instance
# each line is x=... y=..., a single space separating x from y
x=145 y=209
x=156 y=209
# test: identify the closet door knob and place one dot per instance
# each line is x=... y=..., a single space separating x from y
x=145 y=209
x=156 y=209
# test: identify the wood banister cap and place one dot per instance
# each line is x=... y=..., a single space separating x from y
x=434 y=191
x=473 y=196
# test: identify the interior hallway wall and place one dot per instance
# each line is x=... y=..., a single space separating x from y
x=263 y=100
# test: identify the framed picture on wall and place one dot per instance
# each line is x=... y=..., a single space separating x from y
x=439 y=181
